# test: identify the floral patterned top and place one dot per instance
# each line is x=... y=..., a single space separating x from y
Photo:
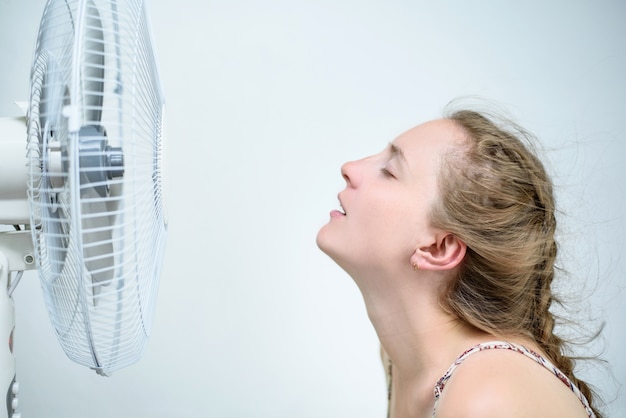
x=441 y=383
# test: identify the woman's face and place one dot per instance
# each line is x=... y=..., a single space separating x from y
x=385 y=206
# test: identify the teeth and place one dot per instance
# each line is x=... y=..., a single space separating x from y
x=342 y=210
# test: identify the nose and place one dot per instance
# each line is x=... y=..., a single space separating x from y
x=348 y=171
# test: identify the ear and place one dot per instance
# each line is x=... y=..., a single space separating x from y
x=444 y=254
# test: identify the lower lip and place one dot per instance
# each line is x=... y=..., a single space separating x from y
x=336 y=214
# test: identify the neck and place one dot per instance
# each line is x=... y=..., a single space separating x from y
x=415 y=331
x=420 y=338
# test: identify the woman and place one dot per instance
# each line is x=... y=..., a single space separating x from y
x=449 y=235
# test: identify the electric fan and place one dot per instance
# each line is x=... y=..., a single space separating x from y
x=84 y=192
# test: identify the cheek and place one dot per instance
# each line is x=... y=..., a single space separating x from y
x=391 y=227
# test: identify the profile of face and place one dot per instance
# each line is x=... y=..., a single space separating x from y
x=384 y=220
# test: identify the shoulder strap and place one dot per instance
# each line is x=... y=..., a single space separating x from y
x=441 y=383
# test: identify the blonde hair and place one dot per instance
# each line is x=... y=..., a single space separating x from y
x=497 y=197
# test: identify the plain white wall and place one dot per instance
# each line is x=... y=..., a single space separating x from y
x=265 y=100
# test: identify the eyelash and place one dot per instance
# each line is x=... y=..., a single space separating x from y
x=387 y=173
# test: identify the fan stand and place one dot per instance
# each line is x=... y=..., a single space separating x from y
x=7 y=361
x=16 y=250
x=16 y=254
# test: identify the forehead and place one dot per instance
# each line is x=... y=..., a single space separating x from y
x=424 y=148
x=432 y=139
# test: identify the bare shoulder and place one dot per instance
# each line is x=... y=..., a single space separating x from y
x=503 y=383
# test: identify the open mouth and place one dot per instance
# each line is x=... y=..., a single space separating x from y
x=341 y=208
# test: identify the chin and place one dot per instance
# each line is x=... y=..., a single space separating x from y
x=334 y=245
x=325 y=241
x=322 y=239
x=331 y=248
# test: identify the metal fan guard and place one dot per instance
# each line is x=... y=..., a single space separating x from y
x=95 y=188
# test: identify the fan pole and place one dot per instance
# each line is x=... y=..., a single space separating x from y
x=7 y=325
x=16 y=254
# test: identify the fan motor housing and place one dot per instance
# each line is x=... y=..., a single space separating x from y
x=99 y=161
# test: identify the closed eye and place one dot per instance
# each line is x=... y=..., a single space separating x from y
x=387 y=173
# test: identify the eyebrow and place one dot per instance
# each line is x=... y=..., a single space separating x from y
x=396 y=151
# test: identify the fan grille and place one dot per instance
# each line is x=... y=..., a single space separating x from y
x=96 y=193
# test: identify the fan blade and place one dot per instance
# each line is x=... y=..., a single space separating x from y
x=100 y=167
x=93 y=66
x=97 y=236
x=53 y=96
x=54 y=208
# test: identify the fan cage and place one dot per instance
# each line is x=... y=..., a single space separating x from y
x=98 y=226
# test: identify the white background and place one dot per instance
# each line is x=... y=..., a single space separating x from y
x=265 y=100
